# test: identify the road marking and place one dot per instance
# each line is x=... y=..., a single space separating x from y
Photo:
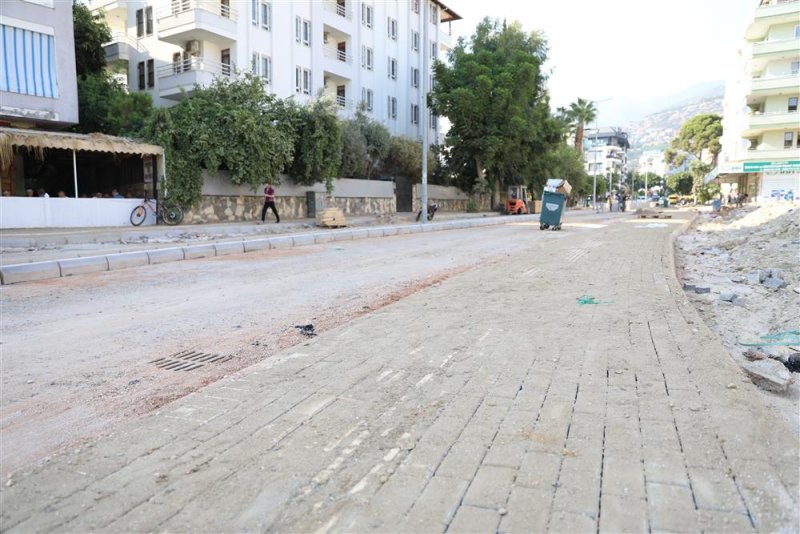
x=424 y=379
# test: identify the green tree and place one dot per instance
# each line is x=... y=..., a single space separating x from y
x=567 y=164
x=581 y=113
x=680 y=182
x=701 y=132
x=404 y=158
x=91 y=32
x=233 y=125
x=493 y=92
x=318 y=146
x=365 y=145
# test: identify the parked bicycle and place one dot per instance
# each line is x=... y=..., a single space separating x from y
x=169 y=212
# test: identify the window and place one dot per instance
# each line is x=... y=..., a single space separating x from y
x=414 y=77
x=432 y=82
x=254 y=64
x=391 y=107
x=414 y=114
x=797 y=143
x=266 y=69
x=434 y=50
x=30 y=63
x=414 y=40
x=139 y=23
x=433 y=120
x=366 y=57
x=302 y=31
x=797 y=32
x=392 y=68
x=225 y=59
x=434 y=11
x=415 y=6
x=366 y=15
x=302 y=80
x=795 y=67
x=254 y=12
x=140 y=72
x=148 y=15
x=788 y=139
x=391 y=28
x=266 y=15
x=151 y=73
x=366 y=97
x=793 y=103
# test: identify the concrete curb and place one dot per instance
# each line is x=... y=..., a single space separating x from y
x=29 y=272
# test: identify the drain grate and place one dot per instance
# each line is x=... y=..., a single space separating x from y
x=189 y=360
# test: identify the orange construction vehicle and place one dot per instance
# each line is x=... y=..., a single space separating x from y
x=517 y=201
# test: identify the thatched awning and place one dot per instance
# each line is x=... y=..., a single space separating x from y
x=39 y=141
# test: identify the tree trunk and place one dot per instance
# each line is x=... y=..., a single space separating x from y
x=496 y=196
x=579 y=139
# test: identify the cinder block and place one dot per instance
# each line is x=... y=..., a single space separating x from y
x=281 y=242
x=125 y=260
x=253 y=245
x=234 y=247
x=28 y=272
x=199 y=251
x=92 y=264
x=303 y=239
x=164 y=255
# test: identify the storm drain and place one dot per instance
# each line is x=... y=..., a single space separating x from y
x=189 y=360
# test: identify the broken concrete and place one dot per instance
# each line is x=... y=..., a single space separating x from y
x=769 y=374
x=774 y=283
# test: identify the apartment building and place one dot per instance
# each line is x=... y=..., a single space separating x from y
x=354 y=51
x=761 y=126
x=38 y=86
x=606 y=153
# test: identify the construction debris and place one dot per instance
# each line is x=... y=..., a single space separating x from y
x=769 y=374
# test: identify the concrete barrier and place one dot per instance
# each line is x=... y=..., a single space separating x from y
x=360 y=233
x=164 y=255
x=127 y=259
x=91 y=264
x=281 y=242
x=343 y=235
x=375 y=232
x=303 y=239
x=199 y=251
x=28 y=272
x=224 y=249
x=321 y=237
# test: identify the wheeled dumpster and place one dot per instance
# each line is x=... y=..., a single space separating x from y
x=552 y=210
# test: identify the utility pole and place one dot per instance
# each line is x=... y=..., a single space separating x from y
x=423 y=108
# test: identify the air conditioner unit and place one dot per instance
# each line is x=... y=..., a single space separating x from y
x=193 y=47
x=325 y=36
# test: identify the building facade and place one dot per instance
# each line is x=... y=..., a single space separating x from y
x=353 y=51
x=761 y=126
x=606 y=154
x=38 y=86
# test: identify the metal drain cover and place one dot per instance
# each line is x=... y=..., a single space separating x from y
x=188 y=360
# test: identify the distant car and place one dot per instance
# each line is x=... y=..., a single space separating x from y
x=641 y=199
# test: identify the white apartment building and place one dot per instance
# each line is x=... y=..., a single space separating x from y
x=761 y=126
x=607 y=153
x=652 y=161
x=38 y=85
x=354 y=51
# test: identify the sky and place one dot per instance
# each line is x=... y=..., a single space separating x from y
x=623 y=50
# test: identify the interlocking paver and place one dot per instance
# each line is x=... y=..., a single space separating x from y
x=489 y=401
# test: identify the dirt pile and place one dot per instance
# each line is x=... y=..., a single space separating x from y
x=742 y=271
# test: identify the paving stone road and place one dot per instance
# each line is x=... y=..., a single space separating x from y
x=493 y=401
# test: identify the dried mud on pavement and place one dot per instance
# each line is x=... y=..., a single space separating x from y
x=571 y=387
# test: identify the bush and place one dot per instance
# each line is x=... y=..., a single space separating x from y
x=472 y=206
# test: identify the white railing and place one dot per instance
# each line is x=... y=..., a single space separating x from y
x=341 y=10
x=335 y=53
x=194 y=64
x=176 y=7
x=124 y=38
x=343 y=102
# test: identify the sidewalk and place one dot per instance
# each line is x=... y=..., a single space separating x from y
x=494 y=401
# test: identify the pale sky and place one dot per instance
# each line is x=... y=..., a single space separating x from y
x=625 y=50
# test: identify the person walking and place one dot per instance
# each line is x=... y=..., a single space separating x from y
x=269 y=202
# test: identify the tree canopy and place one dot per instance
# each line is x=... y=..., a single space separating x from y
x=318 y=146
x=366 y=143
x=680 y=182
x=701 y=132
x=579 y=114
x=91 y=33
x=493 y=92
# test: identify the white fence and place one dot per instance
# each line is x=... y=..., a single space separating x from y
x=24 y=212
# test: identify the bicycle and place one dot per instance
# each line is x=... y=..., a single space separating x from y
x=166 y=211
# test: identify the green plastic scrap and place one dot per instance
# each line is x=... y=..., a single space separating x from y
x=779 y=339
x=583 y=300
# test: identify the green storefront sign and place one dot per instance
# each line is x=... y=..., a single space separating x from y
x=771 y=166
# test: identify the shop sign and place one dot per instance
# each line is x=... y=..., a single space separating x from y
x=772 y=166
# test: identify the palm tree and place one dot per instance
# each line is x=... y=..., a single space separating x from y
x=581 y=113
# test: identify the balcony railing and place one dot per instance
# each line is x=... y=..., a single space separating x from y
x=341 y=101
x=771 y=83
x=339 y=9
x=335 y=53
x=776 y=47
x=176 y=7
x=124 y=38
x=195 y=64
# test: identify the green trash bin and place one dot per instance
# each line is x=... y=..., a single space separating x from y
x=552 y=210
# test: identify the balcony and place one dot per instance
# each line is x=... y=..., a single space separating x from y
x=756 y=154
x=338 y=62
x=775 y=85
x=757 y=123
x=770 y=50
x=120 y=47
x=770 y=13
x=110 y=7
x=180 y=78
x=202 y=20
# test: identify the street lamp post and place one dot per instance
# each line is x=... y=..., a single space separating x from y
x=596 y=132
